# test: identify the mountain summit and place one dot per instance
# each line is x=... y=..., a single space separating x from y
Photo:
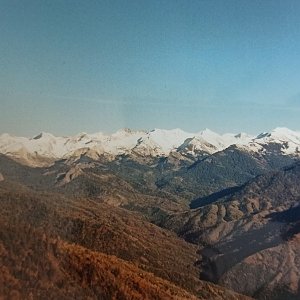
x=154 y=143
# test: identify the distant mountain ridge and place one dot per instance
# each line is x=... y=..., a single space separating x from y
x=46 y=148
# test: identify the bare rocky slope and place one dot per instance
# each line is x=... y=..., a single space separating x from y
x=251 y=232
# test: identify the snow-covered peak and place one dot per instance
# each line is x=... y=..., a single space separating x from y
x=238 y=139
x=157 y=142
x=6 y=138
x=121 y=142
x=44 y=136
x=196 y=145
x=288 y=139
x=212 y=138
x=168 y=140
x=125 y=132
x=281 y=134
x=208 y=133
x=282 y=130
x=98 y=134
x=243 y=136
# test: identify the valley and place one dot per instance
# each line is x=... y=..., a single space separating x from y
x=162 y=214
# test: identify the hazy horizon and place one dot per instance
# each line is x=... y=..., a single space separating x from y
x=254 y=134
x=74 y=66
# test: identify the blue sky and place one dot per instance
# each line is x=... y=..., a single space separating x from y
x=73 y=66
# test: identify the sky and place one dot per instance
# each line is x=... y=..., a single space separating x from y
x=69 y=66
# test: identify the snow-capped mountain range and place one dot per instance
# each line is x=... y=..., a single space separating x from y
x=157 y=142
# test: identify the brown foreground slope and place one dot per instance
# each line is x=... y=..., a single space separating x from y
x=54 y=247
x=34 y=266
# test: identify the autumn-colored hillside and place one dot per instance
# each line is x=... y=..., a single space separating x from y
x=34 y=266
x=60 y=248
